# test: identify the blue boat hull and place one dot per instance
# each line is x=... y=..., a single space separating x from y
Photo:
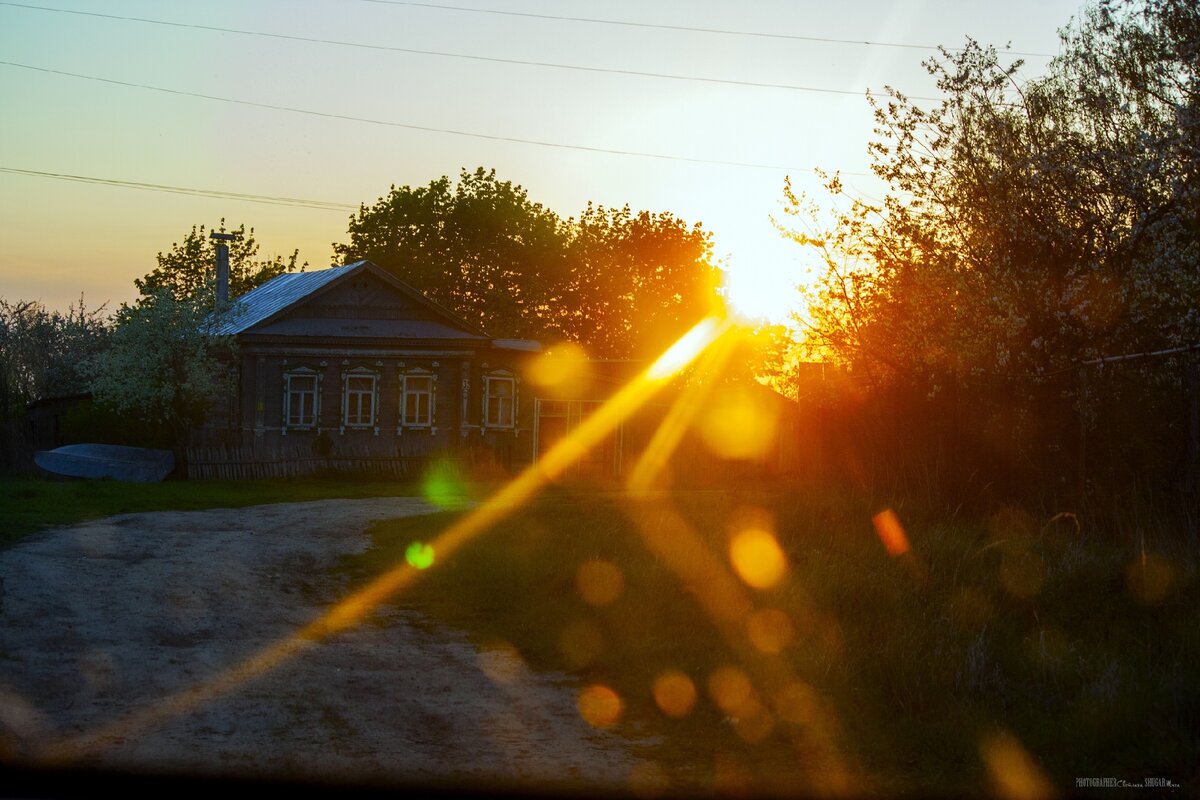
x=133 y=464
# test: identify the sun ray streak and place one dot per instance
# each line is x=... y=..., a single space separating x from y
x=671 y=430
x=673 y=541
x=351 y=610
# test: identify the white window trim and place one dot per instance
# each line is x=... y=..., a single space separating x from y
x=431 y=425
x=301 y=372
x=360 y=372
x=505 y=376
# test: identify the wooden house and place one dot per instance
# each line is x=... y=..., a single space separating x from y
x=351 y=368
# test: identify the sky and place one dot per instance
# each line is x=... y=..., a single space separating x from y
x=360 y=111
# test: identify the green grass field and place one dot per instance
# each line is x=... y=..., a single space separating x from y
x=28 y=505
x=993 y=655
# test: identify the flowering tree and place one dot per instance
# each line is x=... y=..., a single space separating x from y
x=42 y=351
x=163 y=364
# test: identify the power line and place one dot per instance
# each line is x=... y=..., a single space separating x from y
x=295 y=202
x=415 y=127
x=687 y=28
x=444 y=54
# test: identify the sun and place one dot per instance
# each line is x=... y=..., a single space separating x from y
x=761 y=292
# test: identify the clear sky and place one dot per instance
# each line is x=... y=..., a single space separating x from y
x=59 y=239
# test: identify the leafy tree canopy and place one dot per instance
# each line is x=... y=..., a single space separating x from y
x=188 y=268
x=637 y=282
x=613 y=280
x=1030 y=223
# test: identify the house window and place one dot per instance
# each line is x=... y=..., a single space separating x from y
x=416 y=399
x=499 y=401
x=301 y=398
x=358 y=398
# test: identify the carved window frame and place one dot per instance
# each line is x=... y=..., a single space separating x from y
x=493 y=401
x=413 y=375
x=356 y=374
x=313 y=421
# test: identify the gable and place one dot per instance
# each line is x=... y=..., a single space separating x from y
x=356 y=301
x=363 y=296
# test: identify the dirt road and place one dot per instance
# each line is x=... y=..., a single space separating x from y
x=117 y=617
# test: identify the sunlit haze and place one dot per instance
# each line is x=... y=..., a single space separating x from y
x=359 y=111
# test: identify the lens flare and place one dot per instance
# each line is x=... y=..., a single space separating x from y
x=891 y=532
x=1015 y=773
x=599 y=582
x=444 y=487
x=651 y=469
x=797 y=703
x=770 y=630
x=739 y=423
x=754 y=724
x=731 y=690
x=600 y=706
x=674 y=693
x=757 y=558
x=419 y=555
x=682 y=353
x=563 y=368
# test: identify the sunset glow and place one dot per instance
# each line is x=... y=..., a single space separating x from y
x=654 y=398
x=60 y=236
x=763 y=292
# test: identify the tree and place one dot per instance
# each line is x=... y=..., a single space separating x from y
x=638 y=281
x=189 y=266
x=1031 y=224
x=164 y=364
x=42 y=351
x=480 y=247
x=614 y=280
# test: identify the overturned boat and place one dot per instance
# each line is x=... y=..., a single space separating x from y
x=121 y=463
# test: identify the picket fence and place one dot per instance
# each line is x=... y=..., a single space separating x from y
x=241 y=463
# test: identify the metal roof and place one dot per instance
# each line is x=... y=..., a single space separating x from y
x=265 y=303
x=528 y=345
x=365 y=328
x=275 y=295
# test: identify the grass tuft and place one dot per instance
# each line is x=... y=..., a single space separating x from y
x=1000 y=627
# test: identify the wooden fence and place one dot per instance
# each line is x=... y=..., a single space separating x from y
x=240 y=463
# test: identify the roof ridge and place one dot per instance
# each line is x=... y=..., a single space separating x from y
x=271 y=299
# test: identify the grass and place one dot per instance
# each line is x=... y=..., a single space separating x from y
x=28 y=505
x=907 y=670
x=993 y=645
